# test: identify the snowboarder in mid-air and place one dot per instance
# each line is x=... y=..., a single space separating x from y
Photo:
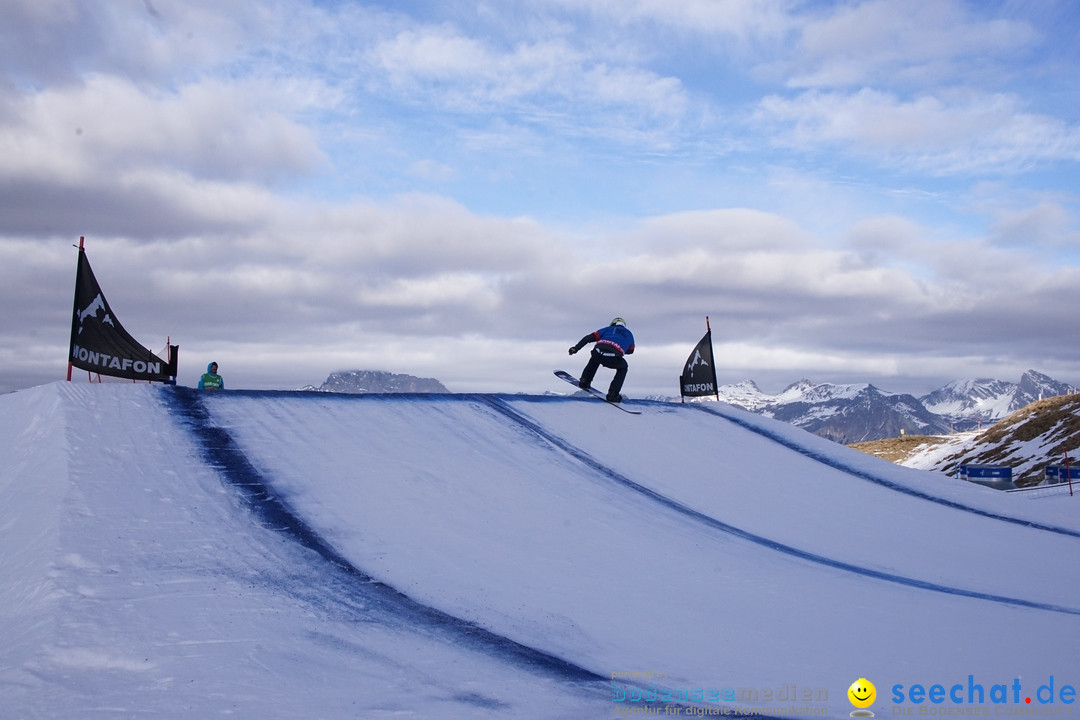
x=612 y=344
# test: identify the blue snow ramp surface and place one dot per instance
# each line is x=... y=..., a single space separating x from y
x=615 y=543
x=294 y=554
x=273 y=511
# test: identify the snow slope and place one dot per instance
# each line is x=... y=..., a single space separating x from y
x=282 y=554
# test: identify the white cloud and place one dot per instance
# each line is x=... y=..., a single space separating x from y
x=1046 y=224
x=741 y=20
x=441 y=292
x=212 y=130
x=414 y=234
x=432 y=170
x=42 y=11
x=730 y=228
x=434 y=54
x=910 y=43
x=953 y=132
x=317 y=301
x=251 y=176
x=546 y=82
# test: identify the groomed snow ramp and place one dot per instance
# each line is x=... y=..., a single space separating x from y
x=283 y=554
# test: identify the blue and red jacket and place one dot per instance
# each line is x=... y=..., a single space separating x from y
x=613 y=339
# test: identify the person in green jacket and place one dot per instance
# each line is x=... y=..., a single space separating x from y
x=210 y=379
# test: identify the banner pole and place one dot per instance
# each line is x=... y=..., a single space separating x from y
x=715 y=384
x=82 y=240
x=1067 y=473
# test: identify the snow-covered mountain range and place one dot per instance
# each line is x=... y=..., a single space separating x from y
x=358 y=382
x=991 y=400
x=861 y=412
x=1042 y=434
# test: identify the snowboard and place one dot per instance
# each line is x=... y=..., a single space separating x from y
x=593 y=391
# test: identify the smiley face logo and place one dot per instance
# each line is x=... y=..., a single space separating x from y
x=862 y=693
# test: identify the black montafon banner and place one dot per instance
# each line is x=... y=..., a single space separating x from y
x=699 y=375
x=99 y=342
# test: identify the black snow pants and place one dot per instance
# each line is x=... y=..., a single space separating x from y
x=609 y=360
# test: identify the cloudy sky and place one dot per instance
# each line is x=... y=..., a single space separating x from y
x=875 y=191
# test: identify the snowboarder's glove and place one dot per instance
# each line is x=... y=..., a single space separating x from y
x=573 y=350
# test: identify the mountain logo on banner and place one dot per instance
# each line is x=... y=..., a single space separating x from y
x=695 y=361
x=103 y=346
x=92 y=310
